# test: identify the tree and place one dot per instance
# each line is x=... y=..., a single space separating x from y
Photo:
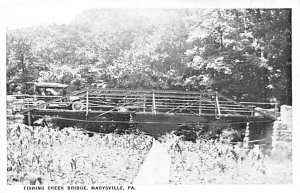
x=242 y=53
x=20 y=60
x=228 y=54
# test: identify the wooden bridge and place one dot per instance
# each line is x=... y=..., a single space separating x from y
x=149 y=106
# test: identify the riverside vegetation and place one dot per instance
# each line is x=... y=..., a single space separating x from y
x=43 y=155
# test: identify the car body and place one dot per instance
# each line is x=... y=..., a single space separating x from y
x=42 y=92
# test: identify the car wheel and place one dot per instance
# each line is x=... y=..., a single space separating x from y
x=77 y=106
x=39 y=102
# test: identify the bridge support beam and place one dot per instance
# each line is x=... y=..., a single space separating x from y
x=29 y=118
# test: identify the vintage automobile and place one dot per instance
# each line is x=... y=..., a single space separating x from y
x=41 y=92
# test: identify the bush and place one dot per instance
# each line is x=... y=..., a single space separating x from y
x=214 y=130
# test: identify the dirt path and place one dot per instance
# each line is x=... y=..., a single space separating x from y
x=156 y=168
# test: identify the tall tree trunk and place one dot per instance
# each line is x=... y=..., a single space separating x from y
x=24 y=71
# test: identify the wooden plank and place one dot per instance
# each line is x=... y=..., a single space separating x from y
x=183 y=100
x=251 y=103
x=227 y=110
x=148 y=91
x=158 y=96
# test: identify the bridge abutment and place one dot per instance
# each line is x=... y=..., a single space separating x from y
x=276 y=135
x=282 y=132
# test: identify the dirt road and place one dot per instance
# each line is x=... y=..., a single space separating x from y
x=156 y=168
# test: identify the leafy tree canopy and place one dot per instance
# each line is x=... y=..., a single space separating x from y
x=242 y=53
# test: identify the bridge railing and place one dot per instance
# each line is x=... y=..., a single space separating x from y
x=256 y=109
x=147 y=101
x=155 y=102
x=173 y=102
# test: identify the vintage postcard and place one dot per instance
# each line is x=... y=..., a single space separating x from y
x=196 y=96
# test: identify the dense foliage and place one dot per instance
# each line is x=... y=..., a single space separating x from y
x=243 y=53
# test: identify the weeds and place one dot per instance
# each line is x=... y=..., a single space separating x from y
x=71 y=157
x=215 y=162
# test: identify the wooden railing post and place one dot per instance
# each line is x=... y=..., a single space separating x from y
x=145 y=101
x=217 y=107
x=200 y=104
x=87 y=103
x=153 y=103
x=252 y=112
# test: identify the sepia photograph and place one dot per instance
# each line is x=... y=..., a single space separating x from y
x=109 y=97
